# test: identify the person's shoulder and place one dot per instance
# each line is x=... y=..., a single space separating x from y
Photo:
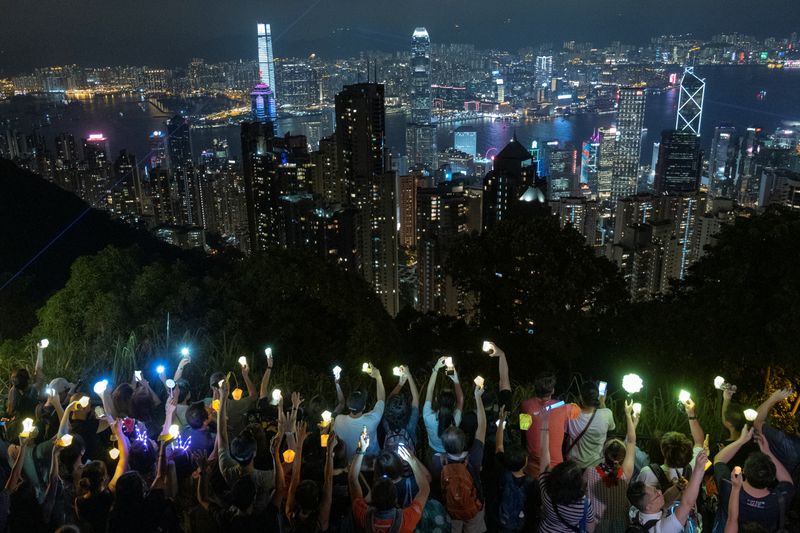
x=668 y=524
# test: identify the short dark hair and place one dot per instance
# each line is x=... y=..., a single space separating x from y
x=215 y=378
x=590 y=394
x=307 y=495
x=388 y=464
x=357 y=401
x=143 y=456
x=243 y=448
x=565 y=483
x=734 y=415
x=384 y=494
x=676 y=448
x=544 y=384
x=243 y=492
x=122 y=397
x=637 y=494
x=515 y=457
x=21 y=378
x=759 y=470
x=454 y=440
x=614 y=452
x=446 y=412
x=196 y=415
x=397 y=411
x=183 y=389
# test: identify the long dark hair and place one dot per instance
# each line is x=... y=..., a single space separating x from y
x=447 y=406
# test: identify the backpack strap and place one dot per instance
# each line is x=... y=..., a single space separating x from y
x=782 y=509
x=661 y=477
x=585 y=516
x=581 y=434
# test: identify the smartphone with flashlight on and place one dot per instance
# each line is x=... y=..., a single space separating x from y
x=138 y=375
x=602 y=387
x=556 y=405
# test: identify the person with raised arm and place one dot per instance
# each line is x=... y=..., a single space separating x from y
x=450 y=406
x=653 y=507
x=516 y=488
x=349 y=426
x=766 y=491
x=589 y=430
x=786 y=447
x=400 y=418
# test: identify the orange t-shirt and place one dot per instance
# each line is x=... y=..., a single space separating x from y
x=558 y=426
x=411 y=517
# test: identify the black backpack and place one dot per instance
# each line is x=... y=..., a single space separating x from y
x=637 y=527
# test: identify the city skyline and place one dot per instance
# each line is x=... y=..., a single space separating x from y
x=215 y=30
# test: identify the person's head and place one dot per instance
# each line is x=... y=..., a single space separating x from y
x=20 y=378
x=389 y=464
x=243 y=493
x=447 y=406
x=356 y=402
x=516 y=457
x=130 y=490
x=142 y=456
x=93 y=478
x=759 y=471
x=214 y=380
x=565 y=483
x=590 y=395
x=544 y=385
x=397 y=411
x=68 y=529
x=121 y=397
x=196 y=415
x=243 y=448
x=676 y=449
x=734 y=415
x=645 y=498
x=384 y=494
x=73 y=453
x=184 y=392
x=78 y=411
x=340 y=455
x=454 y=440
x=614 y=452
x=307 y=497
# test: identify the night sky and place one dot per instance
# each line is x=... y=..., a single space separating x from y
x=169 y=32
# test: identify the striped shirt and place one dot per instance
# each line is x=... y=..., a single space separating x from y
x=610 y=503
x=569 y=518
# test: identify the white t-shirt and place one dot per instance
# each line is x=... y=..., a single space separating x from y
x=431 y=419
x=665 y=524
x=348 y=430
x=588 y=452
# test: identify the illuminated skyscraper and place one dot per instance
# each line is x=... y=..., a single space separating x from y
x=589 y=152
x=266 y=65
x=421 y=77
x=544 y=70
x=721 y=161
x=181 y=165
x=679 y=162
x=466 y=141
x=606 y=154
x=262 y=104
x=630 y=120
x=690 y=102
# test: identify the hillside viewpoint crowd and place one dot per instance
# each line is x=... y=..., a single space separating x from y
x=142 y=457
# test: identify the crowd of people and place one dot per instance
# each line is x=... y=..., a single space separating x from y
x=142 y=457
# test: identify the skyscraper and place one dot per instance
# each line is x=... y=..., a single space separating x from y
x=510 y=179
x=589 y=153
x=544 y=70
x=690 y=102
x=466 y=141
x=258 y=164
x=679 y=162
x=262 y=104
x=420 y=134
x=420 y=77
x=266 y=65
x=361 y=163
x=721 y=161
x=630 y=120
x=606 y=155
x=181 y=165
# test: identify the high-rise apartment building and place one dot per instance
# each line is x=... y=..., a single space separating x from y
x=544 y=70
x=362 y=164
x=721 y=171
x=630 y=120
x=606 y=156
x=261 y=191
x=466 y=141
x=181 y=165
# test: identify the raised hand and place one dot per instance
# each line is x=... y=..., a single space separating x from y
x=302 y=433
x=405 y=454
x=781 y=394
x=439 y=364
x=729 y=392
x=689 y=406
x=746 y=433
x=224 y=389
x=296 y=400
x=363 y=442
x=478 y=392
x=736 y=477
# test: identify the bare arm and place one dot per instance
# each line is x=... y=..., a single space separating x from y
x=505 y=381
x=698 y=435
x=726 y=454
x=727 y=395
x=412 y=385
x=251 y=388
x=689 y=497
x=326 y=502
x=160 y=481
x=280 y=476
x=380 y=394
x=480 y=433
x=264 y=388
x=781 y=474
x=296 y=467
x=14 y=479
x=185 y=360
x=55 y=401
x=38 y=372
x=63 y=427
x=419 y=476
x=498 y=437
x=339 y=399
x=222 y=417
x=764 y=409
x=459 y=392
x=732 y=523
x=352 y=475
x=122 y=446
x=630 y=440
x=544 y=441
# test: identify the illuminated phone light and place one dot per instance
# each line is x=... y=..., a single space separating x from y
x=397 y=371
x=84 y=401
x=243 y=361
x=185 y=351
x=100 y=387
x=637 y=409
x=750 y=414
x=160 y=369
x=237 y=394
x=27 y=427
x=44 y=343
x=448 y=362
x=288 y=456
x=170 y=383
x=268 y=352
x=174 y=431
x=326 y=417
x=487 y=346
x=719 y=381
x=365 y=368
x=479 y=382
x=337 y=372
x=276 y=395
x=323 y=440
x=113 y=453
x=684 y=396
x=632 y=383
x=65 y=440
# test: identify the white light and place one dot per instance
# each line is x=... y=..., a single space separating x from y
x=750 y=414
x=99 y=412
x=326 y=417
x=637 y=409
x=448 y=362
x=719 y=381
x=397 y=371
x=44 y=343
x=27 y=427
x=174 y=431
x=365 y=368
x=479 y=381
x=268 y=352
x=185 y=351
x=100 y=387
x=66 y=440
x=160 y=369
x=113 y=453
x=337 y=371
x=487 y=346
x=632 y=383
x=50 y=391
x=170 y=383
x=84 y=402
x=243 y=361
x=276 y=395
x=684 y=396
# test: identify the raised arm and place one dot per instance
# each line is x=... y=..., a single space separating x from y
x=459 y=392
x=781 y=474
x=54 y=400
x=251 y=388
x=505 y=381
x=185 y=360
x=296 y=467
x=326 y=502
x=544 y=440
x=689 y=497
x=727 y=396
x=412 y=386
x=732 y=522
x=122 y=446
x=280 y=477
x=380 y=394
x=53 y=482
x=15 y=477
x=64 y=426
x=264 y=388
x=355 y=468
x=764 y=409
x=480 y=433
x=169 y=412
x=38 y=370
x=698 y=435
x=498 y=437
x=631 y=421
x=340 y=402
x=419 y=475
x=222 y=418
x=726 y=454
